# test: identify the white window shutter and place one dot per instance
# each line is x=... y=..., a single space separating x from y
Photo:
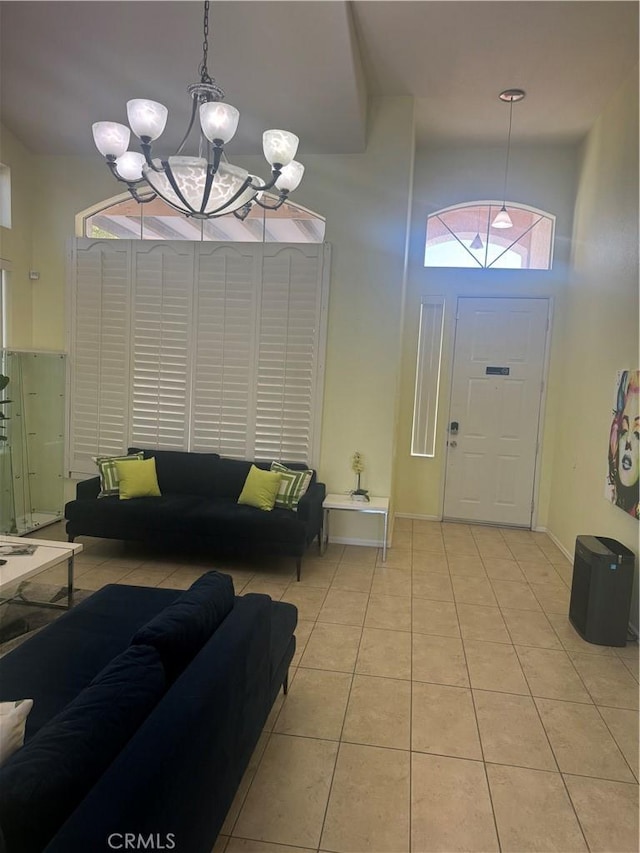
x=197 y=346
x=288 y=349
x=223 y=381
x=161 y=329
x=99 y=332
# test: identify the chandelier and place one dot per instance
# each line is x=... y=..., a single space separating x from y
x=502 y=218
x=208 y=185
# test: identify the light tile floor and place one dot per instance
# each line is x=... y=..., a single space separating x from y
x=440 y=701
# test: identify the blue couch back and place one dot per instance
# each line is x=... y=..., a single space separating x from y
x=205 y=474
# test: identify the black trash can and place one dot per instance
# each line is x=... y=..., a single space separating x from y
x=601 y=590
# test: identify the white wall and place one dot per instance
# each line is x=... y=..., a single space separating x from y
x=600 y=330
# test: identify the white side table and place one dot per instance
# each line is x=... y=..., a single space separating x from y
x=374 y=506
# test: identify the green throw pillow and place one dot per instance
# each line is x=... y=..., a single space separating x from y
x=260 y=488
x=293 y=485
x=137 y=478
x=109 y=475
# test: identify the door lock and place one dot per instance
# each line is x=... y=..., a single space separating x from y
x=453 y=427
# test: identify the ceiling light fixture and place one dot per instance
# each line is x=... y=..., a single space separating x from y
x=502 y=218
x=205 y=186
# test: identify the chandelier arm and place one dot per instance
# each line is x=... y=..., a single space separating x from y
x=281 y=200
x=275 y=174
x=141 y=199
x=214 y=163
x=194 y=107
x=131 y=185
x=146 y=150
x=243 y=211
x=207 y=188
x=174 y=186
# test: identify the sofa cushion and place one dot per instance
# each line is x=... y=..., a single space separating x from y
x=161 y=515
x=45 y=781
x=182 y=629
x=292 y=486
x=109 y=484
x=260 y=488
x=137 y=479
x=230 y=477
x=183 y=473
x=13 y=720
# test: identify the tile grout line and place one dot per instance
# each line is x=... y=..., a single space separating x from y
x=333 y=774
x=475 y=712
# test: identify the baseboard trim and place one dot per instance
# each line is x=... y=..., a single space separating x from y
x=555 y=541
x=418 y=517
x=348 y=540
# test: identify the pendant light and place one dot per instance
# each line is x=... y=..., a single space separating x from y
x=502 y=218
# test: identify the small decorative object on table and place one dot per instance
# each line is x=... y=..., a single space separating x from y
x=357 y=466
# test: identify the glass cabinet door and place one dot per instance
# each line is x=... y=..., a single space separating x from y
x=32 y=419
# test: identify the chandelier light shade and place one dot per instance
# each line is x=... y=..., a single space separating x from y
x=206 y=185
x=502 y=218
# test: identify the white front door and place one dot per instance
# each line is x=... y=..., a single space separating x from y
x=496 y=395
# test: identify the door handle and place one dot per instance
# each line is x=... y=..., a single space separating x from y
x=453 y=443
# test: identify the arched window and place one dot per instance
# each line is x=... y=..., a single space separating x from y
x=122 y=218
x=463 y=236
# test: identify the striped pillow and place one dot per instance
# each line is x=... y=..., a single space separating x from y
x=293 y=485
x=109 y=482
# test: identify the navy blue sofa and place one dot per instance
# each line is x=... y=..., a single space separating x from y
x=148 y=704
x=199 y=508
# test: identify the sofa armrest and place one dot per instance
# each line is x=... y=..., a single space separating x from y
x=309 y=509
x=87 y=489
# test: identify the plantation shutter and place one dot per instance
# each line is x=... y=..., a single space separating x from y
x=288 y=352
x=99 y=348
x=224 y=350
x=162 y=318
x=196 y=346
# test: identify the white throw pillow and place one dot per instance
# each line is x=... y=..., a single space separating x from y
x=13 y=719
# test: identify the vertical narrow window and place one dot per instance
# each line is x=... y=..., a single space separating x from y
x=425 y=402
x=5 y=267
x=5 y=196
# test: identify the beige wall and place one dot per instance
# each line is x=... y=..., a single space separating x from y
x=600 y=330
x=16 y=242
x=544 y=177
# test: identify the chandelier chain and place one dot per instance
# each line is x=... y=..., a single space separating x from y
x=204 y=71
x=506 y=167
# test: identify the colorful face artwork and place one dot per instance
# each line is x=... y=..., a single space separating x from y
x=623 y=479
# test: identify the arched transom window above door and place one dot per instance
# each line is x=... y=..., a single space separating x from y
x=463 y=236
x=122 y=218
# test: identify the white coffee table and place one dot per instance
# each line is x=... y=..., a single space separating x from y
x=374 y=506
x=47 y=554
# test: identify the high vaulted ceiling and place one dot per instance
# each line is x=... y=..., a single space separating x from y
x=309 y=66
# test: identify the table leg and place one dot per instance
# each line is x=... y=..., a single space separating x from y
x=70 y=581
x=325 y=530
